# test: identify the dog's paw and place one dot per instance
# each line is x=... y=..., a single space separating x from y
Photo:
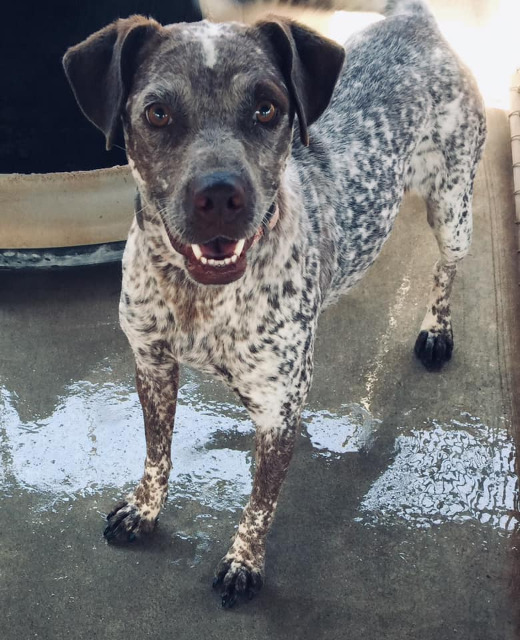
x=434 y=348
x=236 y=580
x=126 y=523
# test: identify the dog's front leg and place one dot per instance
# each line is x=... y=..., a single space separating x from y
x=157 y=388
x=240 y=571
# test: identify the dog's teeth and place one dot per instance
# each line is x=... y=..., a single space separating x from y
x=223 y=262
x=239 y=247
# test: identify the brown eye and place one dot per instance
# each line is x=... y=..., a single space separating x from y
x=158 y=115
x=265 y=112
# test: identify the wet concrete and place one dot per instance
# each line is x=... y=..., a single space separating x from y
x=398 y=517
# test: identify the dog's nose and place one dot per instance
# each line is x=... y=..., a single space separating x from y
x=218 y=197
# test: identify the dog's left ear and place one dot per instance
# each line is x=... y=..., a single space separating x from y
x=310 y=65
x=100 y=70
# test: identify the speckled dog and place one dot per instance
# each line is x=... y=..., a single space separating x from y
x=243 y=234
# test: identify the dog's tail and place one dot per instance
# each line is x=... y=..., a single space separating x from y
x=384 y=7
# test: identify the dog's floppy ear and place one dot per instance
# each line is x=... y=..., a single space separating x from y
x=100 y=69
x=310 y=65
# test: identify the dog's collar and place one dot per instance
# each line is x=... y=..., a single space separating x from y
x=271 y=218
x=138 y=208
x=273 y=215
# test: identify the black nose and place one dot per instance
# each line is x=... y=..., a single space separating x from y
x=219 y=197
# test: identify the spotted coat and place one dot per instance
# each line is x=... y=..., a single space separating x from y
x=404 y=113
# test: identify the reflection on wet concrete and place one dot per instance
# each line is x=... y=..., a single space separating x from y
x=94 y=441
x=447 y=473
x=332 y=435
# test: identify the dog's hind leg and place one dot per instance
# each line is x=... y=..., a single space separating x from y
x=443 y=170
x=451 y=224
x=449 y=210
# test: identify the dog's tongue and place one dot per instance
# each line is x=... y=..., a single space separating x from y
x=219 y=248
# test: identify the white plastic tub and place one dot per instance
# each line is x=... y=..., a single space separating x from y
x=64 y=219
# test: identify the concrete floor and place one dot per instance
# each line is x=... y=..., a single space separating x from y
x=399 y=519
x=398 y=516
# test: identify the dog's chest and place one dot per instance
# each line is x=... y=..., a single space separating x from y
x=260 y=323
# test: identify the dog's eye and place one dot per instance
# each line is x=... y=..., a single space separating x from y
x=158 y=115
x=265 y=112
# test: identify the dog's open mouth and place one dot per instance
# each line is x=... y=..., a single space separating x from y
x=219 y=261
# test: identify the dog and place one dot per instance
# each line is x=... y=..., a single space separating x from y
x=270 y=164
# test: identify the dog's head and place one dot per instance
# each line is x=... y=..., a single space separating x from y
x=207 y=112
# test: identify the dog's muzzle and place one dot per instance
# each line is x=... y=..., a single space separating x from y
x=222 y=260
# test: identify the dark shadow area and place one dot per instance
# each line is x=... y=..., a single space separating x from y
x=41 y=128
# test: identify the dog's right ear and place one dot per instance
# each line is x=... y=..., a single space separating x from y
x=100 y=70
x=309 y=63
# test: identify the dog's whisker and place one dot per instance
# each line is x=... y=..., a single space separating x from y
x=141 y=210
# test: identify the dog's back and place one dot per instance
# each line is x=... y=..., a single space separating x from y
x=404 y=114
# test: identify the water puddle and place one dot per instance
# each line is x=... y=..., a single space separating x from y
x=94 y=440
x=447 y=473
x=333 y=435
